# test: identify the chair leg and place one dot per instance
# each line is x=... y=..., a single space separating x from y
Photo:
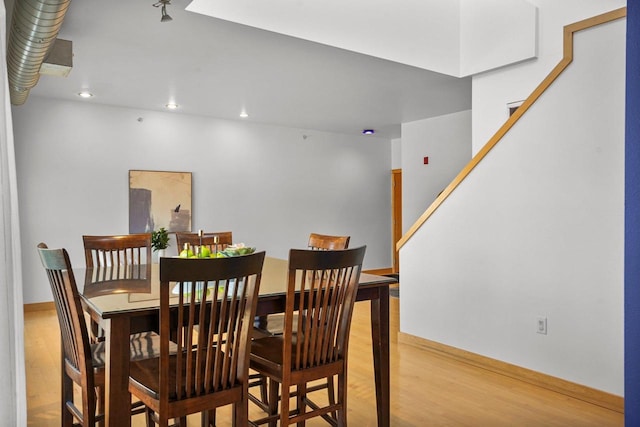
x=67 y=395
x=273 y=401
x=331 y=393
x=259 y=380
x=263 y=389
x=163 y=420
x=101 y=404
x=301 y=404
x=284 y=405
x=240 y=413
x=208 y=418
x=149 y=417
x=89 y=407
x=342 y=399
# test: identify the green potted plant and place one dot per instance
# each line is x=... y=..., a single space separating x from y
x=160 y=241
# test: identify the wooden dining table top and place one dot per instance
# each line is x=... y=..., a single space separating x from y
x=114 y=290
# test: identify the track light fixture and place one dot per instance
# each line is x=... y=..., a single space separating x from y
x=163 y=8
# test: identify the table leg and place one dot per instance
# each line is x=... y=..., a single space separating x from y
x=380 y=336
x=118 y=399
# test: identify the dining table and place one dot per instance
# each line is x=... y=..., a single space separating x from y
x=126 y=300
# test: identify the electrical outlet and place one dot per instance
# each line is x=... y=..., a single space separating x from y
x=542 y=325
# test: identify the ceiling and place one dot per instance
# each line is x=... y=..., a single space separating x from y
x=126 y=57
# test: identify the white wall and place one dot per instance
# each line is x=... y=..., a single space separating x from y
x=267 y=184
x=446 y=140
x=496 y=32
x=396 y=153
x=536 y=230
x=492 y=90
x=13 y=402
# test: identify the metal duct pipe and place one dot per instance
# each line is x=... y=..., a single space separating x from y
x=34 y=27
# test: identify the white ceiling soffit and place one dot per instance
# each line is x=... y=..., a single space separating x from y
x=495 y=33
x=458 y=38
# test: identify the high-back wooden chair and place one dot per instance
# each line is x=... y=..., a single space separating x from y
x=210 y=319
x=223 y=239
x=273 y=323
x=76 y=349
x=325 y=242
x=112 y=250
x=126 y=251
x=314 y=347
x=83 y=362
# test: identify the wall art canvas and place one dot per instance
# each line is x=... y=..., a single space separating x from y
x=159 y=199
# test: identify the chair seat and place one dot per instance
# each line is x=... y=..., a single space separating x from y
x=272 y=324
x=266 y=357
x=266 y=353
x=145 y=374
x=143 y=345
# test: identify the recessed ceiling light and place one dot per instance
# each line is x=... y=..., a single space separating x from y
x=368 y=131
x=85 y=94
x=171 y=106
x=244 y=114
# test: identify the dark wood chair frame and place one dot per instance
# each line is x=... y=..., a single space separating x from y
x=82 y=361
x=314 y=347
x=273 y=324
x=210 y=366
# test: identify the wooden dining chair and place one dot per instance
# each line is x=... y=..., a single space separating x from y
x=273 y=324
x=315 y=346
x=224 y=239
x=82 y=361
x=325 y=242
x=113 y=250
x=207 y=306
x=120 y=251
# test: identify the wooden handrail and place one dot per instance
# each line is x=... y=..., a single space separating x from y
x=569 y=30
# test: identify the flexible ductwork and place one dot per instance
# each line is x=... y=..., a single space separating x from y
x=34 y=27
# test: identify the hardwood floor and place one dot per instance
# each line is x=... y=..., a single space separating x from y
x=426 y=389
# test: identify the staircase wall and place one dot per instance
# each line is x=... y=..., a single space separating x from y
x=536 y=230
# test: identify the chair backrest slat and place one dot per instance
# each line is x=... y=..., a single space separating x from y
x=327 y=281
x=213 y=318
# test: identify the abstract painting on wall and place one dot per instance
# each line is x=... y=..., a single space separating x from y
x=159 y=199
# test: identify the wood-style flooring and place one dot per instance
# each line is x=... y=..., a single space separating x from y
x=426 y=389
